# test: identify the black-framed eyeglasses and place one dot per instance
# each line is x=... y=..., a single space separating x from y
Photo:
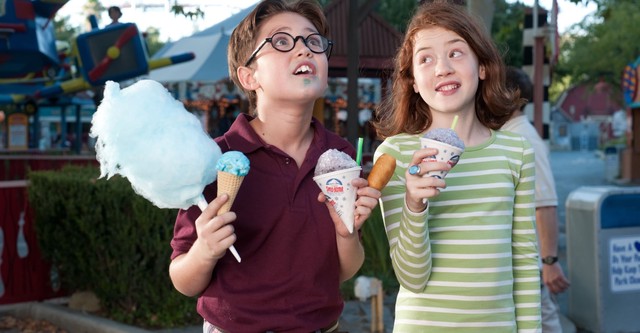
x=284 y=42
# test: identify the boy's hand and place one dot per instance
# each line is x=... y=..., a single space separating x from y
x=215 y=233
x=366 y=201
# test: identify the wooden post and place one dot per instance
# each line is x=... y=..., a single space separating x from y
x=377 y=306
x=631 y=155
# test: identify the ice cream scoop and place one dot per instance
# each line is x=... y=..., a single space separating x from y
x=233 y=162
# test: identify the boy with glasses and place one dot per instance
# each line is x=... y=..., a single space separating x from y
x=295 y=249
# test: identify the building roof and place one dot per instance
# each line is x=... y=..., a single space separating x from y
x=584 y=101
x=379 y=41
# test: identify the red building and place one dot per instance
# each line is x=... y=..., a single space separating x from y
x=582 y=117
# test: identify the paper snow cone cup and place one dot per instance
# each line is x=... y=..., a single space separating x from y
x=446 y=153
x=336 y=186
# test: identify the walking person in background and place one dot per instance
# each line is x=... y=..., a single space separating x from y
x=295 y=249
x=546 y=199
x=463 y=248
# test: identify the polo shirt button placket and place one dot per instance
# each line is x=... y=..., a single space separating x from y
x=287 y=161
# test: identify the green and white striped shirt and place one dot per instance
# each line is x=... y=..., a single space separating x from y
x=469 y=262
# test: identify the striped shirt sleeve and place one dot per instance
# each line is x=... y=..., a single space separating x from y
x=407 y=231
x=525 y=252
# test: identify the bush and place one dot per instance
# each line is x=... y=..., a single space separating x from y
x=377 y=262
x=104 y=237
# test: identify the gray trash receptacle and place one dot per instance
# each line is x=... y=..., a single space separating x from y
x=603 y=257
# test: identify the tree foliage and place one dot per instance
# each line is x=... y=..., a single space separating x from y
x=190 y=14
x=599 y=50
x=64 y=30
x=397 y=12
x=94 y=7
x=153 y=40
x=507 y=29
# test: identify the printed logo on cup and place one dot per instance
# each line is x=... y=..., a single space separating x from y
x=446 y=153
x=334 y=186
x=451 y=157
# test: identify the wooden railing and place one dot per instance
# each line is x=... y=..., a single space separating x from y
x=24 y=274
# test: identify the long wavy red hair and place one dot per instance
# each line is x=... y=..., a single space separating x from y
x=404 y=111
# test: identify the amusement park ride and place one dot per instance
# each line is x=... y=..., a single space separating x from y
x=34 y=72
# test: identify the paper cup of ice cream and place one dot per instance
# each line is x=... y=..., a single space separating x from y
x=446 y=153
x=337 y=187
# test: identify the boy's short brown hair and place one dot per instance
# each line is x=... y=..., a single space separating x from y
x=243 y=39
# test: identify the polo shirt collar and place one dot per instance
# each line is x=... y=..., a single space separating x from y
x=241 y=134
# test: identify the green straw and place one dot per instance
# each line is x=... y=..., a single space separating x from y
x=455 y=121
x=359 y=154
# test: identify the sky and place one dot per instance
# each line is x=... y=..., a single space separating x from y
x=568 y=12
x=171 y=27
x=174 y=27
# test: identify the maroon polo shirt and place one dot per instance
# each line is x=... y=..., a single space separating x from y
x=288 y=280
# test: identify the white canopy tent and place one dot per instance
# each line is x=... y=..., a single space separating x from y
x=209 y=64
x=210 y=49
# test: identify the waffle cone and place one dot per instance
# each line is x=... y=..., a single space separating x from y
x=230 y=184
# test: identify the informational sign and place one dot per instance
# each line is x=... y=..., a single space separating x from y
x=625 y=263
x=18 y=131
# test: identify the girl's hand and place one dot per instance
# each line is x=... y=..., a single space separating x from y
x=420 y=187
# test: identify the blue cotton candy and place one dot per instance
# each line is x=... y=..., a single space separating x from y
x=147 y=136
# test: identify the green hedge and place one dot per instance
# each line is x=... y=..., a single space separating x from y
x=104 y=237
x=377 y=262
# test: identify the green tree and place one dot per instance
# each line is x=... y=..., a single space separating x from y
x=93 y=7
x=178 y=9
x=507 y=29
x=64 y=30
x=599 y=50
x=153 y=40
x=397 y=12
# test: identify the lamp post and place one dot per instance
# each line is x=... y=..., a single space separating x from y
x=538 y=70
